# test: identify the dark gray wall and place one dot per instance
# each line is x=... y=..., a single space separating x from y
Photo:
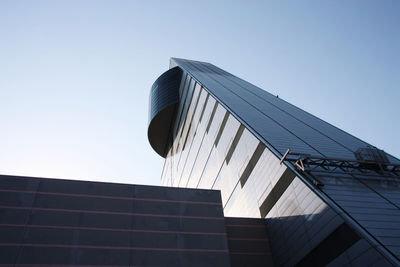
x=248 y=242
x=60 y=222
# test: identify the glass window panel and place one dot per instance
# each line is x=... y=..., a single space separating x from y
x=211 y=170
x=182 y=103
x=193 y=142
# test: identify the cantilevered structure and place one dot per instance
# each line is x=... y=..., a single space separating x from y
x=328 y=197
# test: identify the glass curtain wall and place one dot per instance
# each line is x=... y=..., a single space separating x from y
x=212 y=150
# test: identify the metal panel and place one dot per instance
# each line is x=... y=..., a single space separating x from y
x=91 y=223
x=369 y=204
x=164 y=96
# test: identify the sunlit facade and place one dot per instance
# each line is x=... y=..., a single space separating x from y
x=323 y=202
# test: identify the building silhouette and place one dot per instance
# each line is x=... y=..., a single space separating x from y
x=328 y=198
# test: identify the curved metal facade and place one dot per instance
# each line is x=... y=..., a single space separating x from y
x=164 y=97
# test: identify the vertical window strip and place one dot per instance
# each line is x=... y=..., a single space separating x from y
x=210 y=120
x=251 y=164
x=221 y=128
x=191 y=117
x=181 y=106
x=180 y=135
x=212 y=116
x=186 y=160
x=203 y=137
x=185 y=134
x=190 y=103
x=194 y=162
x=232 y=197
x=194 y=135
x=184 y=100
x=204 y=107
x=234 y=143
x=184 y=111
x=214 y=147
x=183 y=83
x=204 y=168
x=216 y=180
x=277 y=191
x=165 y=168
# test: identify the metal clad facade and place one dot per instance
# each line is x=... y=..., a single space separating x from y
x=52 y=222
x=235 y=143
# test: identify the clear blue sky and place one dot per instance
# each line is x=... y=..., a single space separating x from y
x=75 y=75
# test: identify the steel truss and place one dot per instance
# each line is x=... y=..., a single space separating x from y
x=308 y=163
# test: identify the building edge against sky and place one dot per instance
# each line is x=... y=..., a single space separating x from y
x=328 y=197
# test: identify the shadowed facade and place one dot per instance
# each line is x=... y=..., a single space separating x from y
x=54 y=222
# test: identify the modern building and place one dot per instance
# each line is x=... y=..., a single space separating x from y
x=328 y=197
x=261 y=183
x=58 y=223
